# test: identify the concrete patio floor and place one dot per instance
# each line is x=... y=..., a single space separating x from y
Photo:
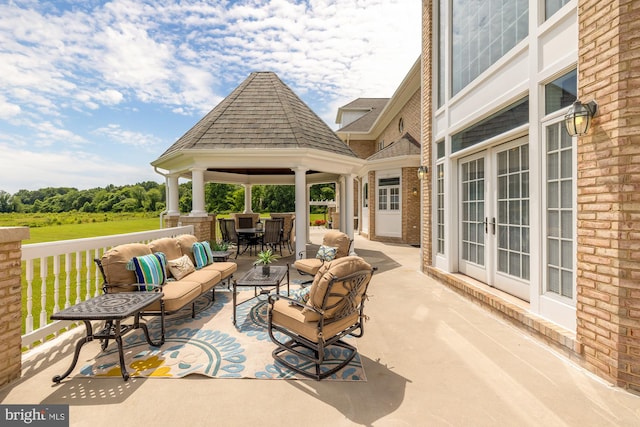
x=432 y=358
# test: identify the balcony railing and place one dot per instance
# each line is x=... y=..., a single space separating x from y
x=57 y=275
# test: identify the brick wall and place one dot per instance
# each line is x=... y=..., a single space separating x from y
x=363 y=149
x=410 y=206
x=11 y=302
x=608 y=270
x=410 y=114
x=426 y=137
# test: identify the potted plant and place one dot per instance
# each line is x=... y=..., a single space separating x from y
x=264 y=259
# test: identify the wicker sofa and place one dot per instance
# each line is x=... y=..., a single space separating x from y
x=115 y=264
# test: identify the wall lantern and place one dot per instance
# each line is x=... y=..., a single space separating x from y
x=422 y=172
x=415 y=191
x=578 y=118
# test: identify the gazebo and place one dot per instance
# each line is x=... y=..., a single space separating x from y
x=261 y=133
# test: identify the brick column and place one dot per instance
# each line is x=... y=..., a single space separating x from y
x=201 y=226
x=608 y=268
x=11 y=302
x=426 y=137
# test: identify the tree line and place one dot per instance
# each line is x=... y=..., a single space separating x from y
x=150 y=196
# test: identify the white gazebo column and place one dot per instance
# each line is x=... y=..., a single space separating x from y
x=348 y=206
x=173 y=206
x=308 y=212
x=342 y=204
x=301 y=208
x=197 y=192
x=247 y=198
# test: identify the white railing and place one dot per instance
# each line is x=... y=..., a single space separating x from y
x=75 y=277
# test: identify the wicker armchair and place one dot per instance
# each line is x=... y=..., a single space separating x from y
x=334 y=309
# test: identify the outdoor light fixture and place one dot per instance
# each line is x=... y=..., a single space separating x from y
x=415 y=191
x=422 y=171
x=578 y=118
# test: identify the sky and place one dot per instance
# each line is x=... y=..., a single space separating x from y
x=93 y=91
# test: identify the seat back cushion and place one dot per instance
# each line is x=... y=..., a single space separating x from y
x=329 y=271
x=114 y=263
x=339 y=240
x=167 y=245
x=186 y=241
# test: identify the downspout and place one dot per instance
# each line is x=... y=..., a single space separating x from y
x=166 y=196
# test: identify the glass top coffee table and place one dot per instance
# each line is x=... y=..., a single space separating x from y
x=261 y=284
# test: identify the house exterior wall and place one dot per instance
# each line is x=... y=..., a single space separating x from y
x=364 y=148
x=410 y=206
x=410 y=114
x=606 y=339
x=608 y=308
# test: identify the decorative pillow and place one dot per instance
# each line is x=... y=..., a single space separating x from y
x=150 y=270
x=202 y=254
x=326 y=253
x=180 y=267
x=302 y=295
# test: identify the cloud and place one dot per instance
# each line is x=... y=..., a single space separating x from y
x=68 y=168
x=75 y=73
x=116 y=134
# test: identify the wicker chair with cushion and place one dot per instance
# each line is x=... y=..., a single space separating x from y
x=335 y=244
x=333 y=309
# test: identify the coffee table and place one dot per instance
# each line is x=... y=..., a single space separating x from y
x=255 y=279
x=112 y=308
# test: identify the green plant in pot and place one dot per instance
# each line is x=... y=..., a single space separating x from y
x=264 y=259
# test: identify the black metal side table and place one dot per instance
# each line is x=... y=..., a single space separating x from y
x=112 y=308
x=258 y=281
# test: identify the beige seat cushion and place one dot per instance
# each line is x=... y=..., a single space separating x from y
x=207 y=278
x=226 y=269
x=177 y=294
x=308 y=265
x=294 y=318
x=114 y=264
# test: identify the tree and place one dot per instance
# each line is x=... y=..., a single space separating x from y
x=6 y=204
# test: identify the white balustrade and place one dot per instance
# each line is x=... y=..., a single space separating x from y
x=69 y=275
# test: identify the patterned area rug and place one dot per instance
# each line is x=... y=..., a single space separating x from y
x=211 y=345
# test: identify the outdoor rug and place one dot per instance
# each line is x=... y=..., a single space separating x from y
x=211 y=345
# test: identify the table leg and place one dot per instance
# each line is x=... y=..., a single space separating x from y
x=118 y=338
x=79 y=345
x=235 y=284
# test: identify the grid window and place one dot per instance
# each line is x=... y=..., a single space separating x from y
x=483 y=32
x=560 y=213
x=440 y=207
x=513 y=212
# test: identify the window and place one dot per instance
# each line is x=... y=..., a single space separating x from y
x=442 y=8
x=552 y=6
x=389 y=194
x=440 y=207
x=365 y=195
x=381 y=144
x=511 y=117
x=483 y=32
x=560 y=214
x=400 y=125
x=560 y=93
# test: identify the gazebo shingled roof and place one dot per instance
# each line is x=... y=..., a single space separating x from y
x=261 y=113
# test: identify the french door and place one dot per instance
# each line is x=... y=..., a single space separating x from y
x=494 y=245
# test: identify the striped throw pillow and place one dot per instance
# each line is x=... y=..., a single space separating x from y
x=202 y=254
x=150 y=270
